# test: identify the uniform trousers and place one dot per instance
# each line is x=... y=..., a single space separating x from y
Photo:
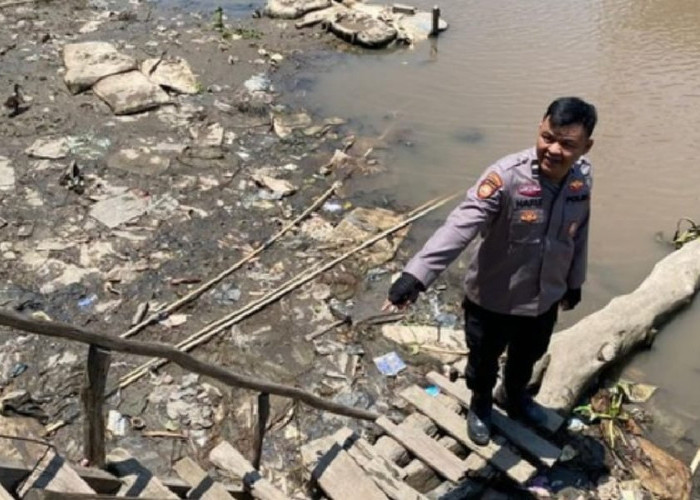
x=489 y=334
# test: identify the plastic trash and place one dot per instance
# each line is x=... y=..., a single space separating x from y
x=432 y=390
x=87 y=302
x=390 y=364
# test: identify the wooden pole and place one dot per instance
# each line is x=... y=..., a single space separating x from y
x=93 y=397
x=436 y=21
x=263 y=415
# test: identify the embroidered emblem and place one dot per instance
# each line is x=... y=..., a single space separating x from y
x=572 y=229
x=530 y=190
x=576 y=185
x=529 y=216
x=489 y=185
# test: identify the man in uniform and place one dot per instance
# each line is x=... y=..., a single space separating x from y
x=527 y=217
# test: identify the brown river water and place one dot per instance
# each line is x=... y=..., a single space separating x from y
x=478 y=94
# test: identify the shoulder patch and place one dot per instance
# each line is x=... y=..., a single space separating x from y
x=491 y=183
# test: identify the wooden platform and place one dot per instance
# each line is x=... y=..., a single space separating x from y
x=429 y=453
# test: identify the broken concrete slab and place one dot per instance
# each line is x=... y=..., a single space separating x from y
x=130 y=92
x=139 y=161
x=172 y=73
x=88 y=62
x=49 y=148
x=7 y=175
x=293 y=9
x=119 y=209
x=363 y=29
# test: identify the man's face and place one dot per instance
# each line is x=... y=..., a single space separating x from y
x=558 y=148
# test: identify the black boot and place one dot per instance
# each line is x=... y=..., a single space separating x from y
x=479 y=419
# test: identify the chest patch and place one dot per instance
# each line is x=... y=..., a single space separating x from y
x=489 y=185
x=576 y=185
x=529 y=216
x=530 y=190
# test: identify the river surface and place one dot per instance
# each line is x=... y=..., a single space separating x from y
x=479 y=93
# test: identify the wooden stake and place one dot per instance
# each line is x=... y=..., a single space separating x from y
x=436 y=21
x=93 y=397
x=263 y=415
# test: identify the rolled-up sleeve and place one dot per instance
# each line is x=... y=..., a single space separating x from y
x=481 y=204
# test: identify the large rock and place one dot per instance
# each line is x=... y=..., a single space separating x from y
x=173 y=74
x=130 y=93
x=294 y=9
x=88 y=62
x=363 y=29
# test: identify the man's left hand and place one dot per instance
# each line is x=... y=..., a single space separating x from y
x=571 y=299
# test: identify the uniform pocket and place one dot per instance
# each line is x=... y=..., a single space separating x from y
x=527 y=226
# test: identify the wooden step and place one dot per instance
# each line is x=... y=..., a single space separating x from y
x=137 y=480
x=341 y=478
x=504 y=459
x=203 y=486
x=228 y=458
x=427 y=449
x=517 y=433
x=53 y=473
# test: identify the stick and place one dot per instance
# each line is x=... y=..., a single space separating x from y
x=154 y=318
x=186 y=361
x=263 y=415
x=93 y=396
x=13 y=3
x=214 y=328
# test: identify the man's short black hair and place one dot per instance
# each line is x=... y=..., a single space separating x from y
x=571 y=111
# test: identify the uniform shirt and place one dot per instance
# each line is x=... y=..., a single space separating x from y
x=529 y=236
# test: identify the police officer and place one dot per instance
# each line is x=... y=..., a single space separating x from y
x=526 y=224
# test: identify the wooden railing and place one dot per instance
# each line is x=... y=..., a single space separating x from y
x=98 y=362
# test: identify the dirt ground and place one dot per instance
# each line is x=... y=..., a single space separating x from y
x=206 y=211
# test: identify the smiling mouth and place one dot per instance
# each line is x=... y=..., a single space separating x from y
x=551 y=162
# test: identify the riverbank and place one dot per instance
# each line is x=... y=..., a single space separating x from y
x=185 y=191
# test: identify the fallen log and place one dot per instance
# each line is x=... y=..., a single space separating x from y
x=628 y=322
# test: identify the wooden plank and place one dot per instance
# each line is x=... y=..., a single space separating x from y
x=4 y=495
x=427 y=449
x=93 y=395
x=203 y=486
x=341 y=478
x=137 y=481
x=53 y=473
x=230 y=459
x=504 y=459
x=516 y=432
x=385 y=474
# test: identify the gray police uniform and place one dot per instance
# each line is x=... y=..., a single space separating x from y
x=529 y=237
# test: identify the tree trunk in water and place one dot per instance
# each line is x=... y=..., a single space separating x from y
x=580 y=352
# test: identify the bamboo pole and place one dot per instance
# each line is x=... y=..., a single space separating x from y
x=164 y=313
x=156 y=349
x=263 y=415
x=216 y=327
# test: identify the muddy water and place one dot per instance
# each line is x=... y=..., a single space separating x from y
x=478 y=94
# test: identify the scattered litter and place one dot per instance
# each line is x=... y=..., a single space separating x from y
x=258 y=83
x=73 y=179
x=576 y=425
x=49 y=148
x=278 y=187
x=88 y=146
x=174 y=320
x=637 y=393
x=119 y=209
x=117 y=423
x=389 y=364
x=25 y=230
x=18 y=370
x=87 y=302
x=226 y=294
x=432 y=390
x=7 y=175
x=284 y=124
x=332 y=206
